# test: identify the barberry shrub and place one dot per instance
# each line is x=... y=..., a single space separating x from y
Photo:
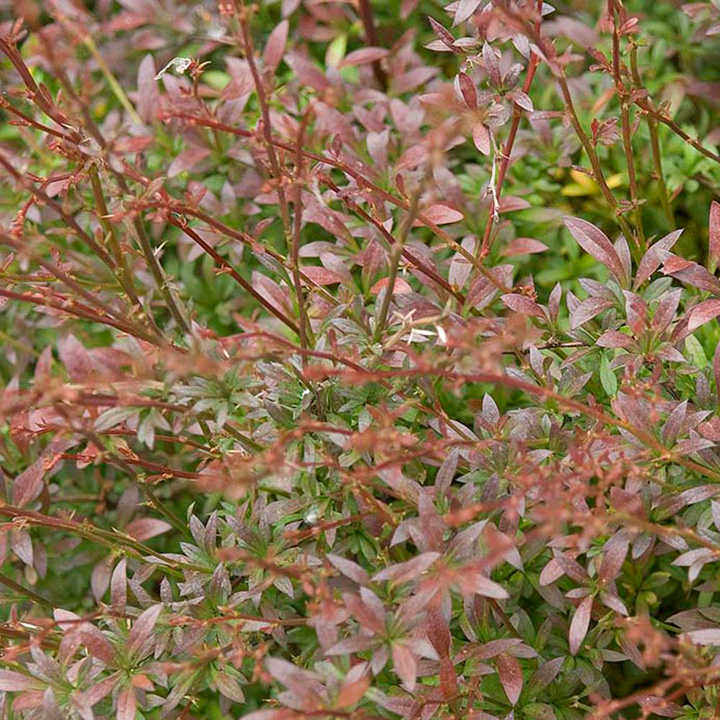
x=359 y=360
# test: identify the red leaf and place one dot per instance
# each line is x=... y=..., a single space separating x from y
x=118 y=587
x=511 y=676
x=465 y=9
x=11 y=681
x=597 y=244
x=580 y=624
x=653 y=258
x=523 y=305
x=75 y=358
x=275 y=46
x=352 y=692
x=587 y=310
x=321 y=276
x=363 y=56
x=28 y=484
x=439 y=215
x=467 y=90
x=142 y=628
x=481 y=138
x=703 y=312
x=401 y=287
x=405 y=664
x=524 y=246
x=714 y=236
x=126 y=704
x=147 y=94
x=146 y=528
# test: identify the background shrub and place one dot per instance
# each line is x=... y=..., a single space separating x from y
x=360 y=359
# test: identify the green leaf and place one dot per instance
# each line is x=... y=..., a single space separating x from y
x=607 y=377
x=694 y=352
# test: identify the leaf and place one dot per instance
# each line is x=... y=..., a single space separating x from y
x=126 y=704
x=349 y=569
x=653 y=257
x=614 y=339
x=587 y=310
x=405 y=665
x=142 y=628
x=352 y=692
x=465 y=9
x=146 y=528
x=275 y=46
x=321 y=275
x=75 y=358
x=523 y=246
x=703 y=312
x=523 y=305
x=148 y=97
x=607 y=376
x=546 y=673
x=511 y=676
x=481 y=138
x=476 y=582
x=11 y=681
x=118 y=587
x=439 y=215
x=467 y=90
x=580 y=624
x=363 y=56
x=29 y=483
x=597 y=244
x=709 y=636
x=714 y=236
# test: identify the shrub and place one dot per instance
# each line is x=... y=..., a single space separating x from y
x=360 y=360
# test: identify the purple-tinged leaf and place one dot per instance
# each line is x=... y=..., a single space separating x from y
x=614 y=339
x=653 y=257
x=546 y=673
x=587 y=310
x=439 y=215
x=126 y=704
x=703 y=312
x=481 y=137
x=467 y=90
x=349 y=569
x=275 y=46
x=11 y=681
x=580 y=624
x=148 y=98
x=405 y=665
x=636 y=310
x=510 y=675
x=142 y=628
x=714 y=236
x=146 y=528
x=665 y=310
x=465 y=9
x=708 y=636
x=118 y=587
x=523 y=246
x=363 y=56
x=597 y=244
x=616 y=549
x=523 y=305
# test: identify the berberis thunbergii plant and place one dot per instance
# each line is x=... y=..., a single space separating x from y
x=359 y=359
